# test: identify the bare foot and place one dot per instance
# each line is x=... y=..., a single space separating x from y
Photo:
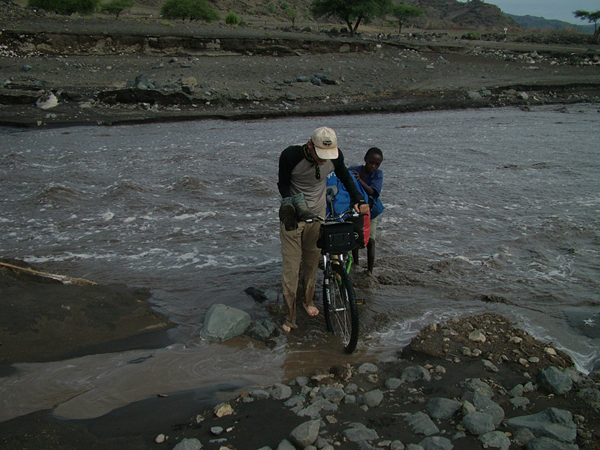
x=311 y=310
x=286 y=329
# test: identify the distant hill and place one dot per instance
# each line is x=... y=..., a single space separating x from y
x=439 y=14
x=454 y=14
x=540 y=23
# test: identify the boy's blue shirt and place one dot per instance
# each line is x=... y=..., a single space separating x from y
x=375 y=180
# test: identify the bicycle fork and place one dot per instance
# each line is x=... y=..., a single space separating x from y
x=330 y=281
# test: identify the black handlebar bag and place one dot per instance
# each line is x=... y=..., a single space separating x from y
x=337 y=237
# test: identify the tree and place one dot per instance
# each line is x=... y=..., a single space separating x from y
x=116 y=6
x=590 y=17
x=403 y=12
x=290 y=12
x=188 y=9
x=352 y=12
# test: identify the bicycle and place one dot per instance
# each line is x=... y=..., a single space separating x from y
x=336 y=241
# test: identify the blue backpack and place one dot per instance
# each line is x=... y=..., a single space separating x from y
x=342 y=199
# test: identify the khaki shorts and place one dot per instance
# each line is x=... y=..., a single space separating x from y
x=373 y=228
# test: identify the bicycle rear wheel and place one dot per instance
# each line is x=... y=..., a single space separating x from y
x=339 y=306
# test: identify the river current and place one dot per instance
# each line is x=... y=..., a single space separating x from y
x=492 y=210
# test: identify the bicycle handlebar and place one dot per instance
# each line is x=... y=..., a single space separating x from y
x=339 y=218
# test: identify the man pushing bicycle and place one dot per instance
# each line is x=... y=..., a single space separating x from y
x=303 y=171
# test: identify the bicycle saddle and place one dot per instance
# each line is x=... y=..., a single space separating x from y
x=331 y=193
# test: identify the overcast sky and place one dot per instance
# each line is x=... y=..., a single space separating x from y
x=549 y=9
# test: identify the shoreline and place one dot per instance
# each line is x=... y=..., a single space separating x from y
x=479 y=364
x=520 y=96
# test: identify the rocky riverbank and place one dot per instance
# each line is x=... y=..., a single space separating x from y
x=475 y=382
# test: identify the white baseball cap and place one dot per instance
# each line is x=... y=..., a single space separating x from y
x=325 y=142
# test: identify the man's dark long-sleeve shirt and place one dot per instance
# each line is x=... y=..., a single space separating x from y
x=297 y=174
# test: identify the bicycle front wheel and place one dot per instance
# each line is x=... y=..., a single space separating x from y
x=339 y=306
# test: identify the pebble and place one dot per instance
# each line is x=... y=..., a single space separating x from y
x=477 y=336
x=223 y=409
x=367 y=368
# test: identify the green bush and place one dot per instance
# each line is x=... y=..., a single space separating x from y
x=66 y=7
x=471 y=35
x=116 y=6
x=231 y=19
x=188 y=9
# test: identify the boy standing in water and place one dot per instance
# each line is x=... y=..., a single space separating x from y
x=371 y=178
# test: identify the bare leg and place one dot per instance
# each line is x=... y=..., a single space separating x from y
x=370 y=255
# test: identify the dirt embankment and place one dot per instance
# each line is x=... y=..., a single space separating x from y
x=46 y=317
x=58 y=71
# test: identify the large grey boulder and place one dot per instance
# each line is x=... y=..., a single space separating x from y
x=261 y=329
x=224 y=322
x=306 y=433
x=545 y=443
x=478 y=423
x=286 y=445
x=421 y=423
x=415 y=373
x=591 y=396
x=333 y=394
x=393 y=383
x=436 y=443
x=554 y=380
x=486 y=405
x=359 y=432
x=280 y=391
x=495 y=439
x=373 y=398
x=473 y=385
x=188 y=444
x=314 y=409
x=442 y=408
x=553 y=423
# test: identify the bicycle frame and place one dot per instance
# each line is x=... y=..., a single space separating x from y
x=339 y=301
x=345 y=258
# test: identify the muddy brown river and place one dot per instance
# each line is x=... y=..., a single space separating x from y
x=493 y=210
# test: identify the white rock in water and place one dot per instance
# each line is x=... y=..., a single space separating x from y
x=47 y=101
